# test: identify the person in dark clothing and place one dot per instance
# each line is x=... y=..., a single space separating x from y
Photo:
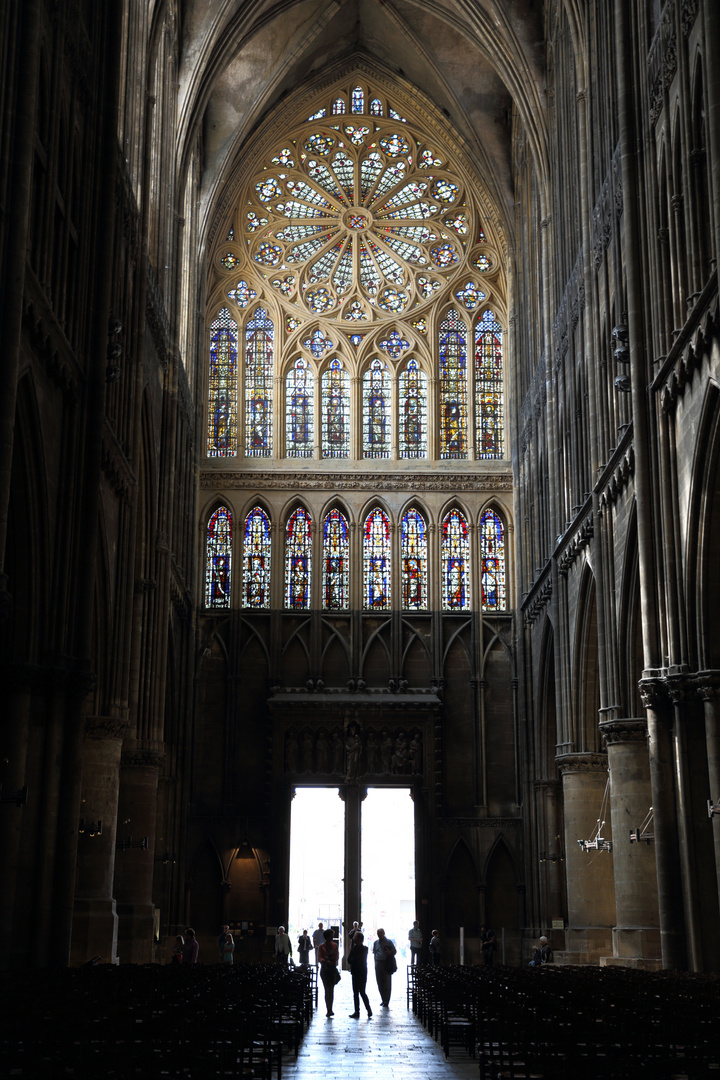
x=488 y=947
x=542 y=953
x=357 y=962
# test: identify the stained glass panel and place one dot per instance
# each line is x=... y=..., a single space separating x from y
x=222 y=387
x=259 y=337
x=358 y=100
x=298 y=560
x=299 y=410
x=376 y=411
x=376 y=561
x=256 y=560
x=455 y=563
x=336 y=563
x=218 y=558
x=489 y=420
x=453 y=387
x=492 y=555
x=413 y=412
x=413 y=553
x=335 y=411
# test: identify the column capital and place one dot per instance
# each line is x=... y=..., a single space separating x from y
x=707 y=685
x=582 y=763
x=627 y=730
x=106 y=727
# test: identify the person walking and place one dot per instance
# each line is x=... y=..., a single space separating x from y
x=318 y=938
x=435 y=948
x=416 y=939
x=190 y=948
x=304 y=946
x=228 y=949
x=357 y=962
x=221 y=939
x=177 y=953
x=385 y=965
x=283 y=946
x=328 y=956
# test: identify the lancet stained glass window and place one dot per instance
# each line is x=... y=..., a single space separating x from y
x=222 y=387
x=256 y=560
x=453 y=387
x=336 y=563
x=455 y=562
x=413 y=554
x=413 y=412
x=488 y=387
x=259 y=341
x=335 y=411
x=376 y=411
x=492 y=556
x=218 y=559
x=298 y=560
x=299 y=409
x=376 y=561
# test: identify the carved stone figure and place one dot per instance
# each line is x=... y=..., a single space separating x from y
x=371 y=753
x=307 y=752
x=291 y=751
x=322 y=752
x=386 y=747
x=353 y=747
x=400 y=758
x=338 y=751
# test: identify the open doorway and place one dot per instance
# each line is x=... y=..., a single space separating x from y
x=388 y=866
x=317 y=845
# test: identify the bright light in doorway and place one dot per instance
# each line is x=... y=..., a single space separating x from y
x=317 y=853
x=388 y=866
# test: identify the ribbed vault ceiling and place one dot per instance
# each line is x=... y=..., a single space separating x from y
x=473 y=59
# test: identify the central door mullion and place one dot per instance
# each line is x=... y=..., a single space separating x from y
x=353 y=795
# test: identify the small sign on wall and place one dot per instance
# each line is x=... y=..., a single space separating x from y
x=558 y=924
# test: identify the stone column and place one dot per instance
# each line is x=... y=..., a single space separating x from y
x=94 y=930
x=636 y=935
x=551 y=847
x=589 y=874
x=137 y=811
x=708 y=688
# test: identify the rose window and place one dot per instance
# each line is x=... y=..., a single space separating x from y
x=357 y=220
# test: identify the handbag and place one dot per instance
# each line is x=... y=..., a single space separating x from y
x=390 y=964
x=337 y=975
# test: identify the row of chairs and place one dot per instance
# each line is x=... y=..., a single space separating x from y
x=117 y=1023
x=565 y=1023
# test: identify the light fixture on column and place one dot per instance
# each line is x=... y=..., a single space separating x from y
x=90 y=828
x=18 y=797
x=127 y=841
x=597 y=842
x=636 y=835
x=713 y=808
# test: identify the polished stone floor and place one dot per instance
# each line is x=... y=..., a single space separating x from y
x=393 y=1044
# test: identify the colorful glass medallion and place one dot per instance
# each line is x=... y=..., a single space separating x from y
x=284 y=157
x=335 y=411
x=357 y=135
x=231 y=234
x=492 y=556
x=445 y=191
x=336 y=563
x=444 y=256
x=394 y=345
x=355 y=340
x=455 y=562
x=320 y=300
x=489 y=405
x=298 y=560
x=413 y=412
x=292 y=323
x=229 y=261
x=320 y=144
x=376 y=107
x=268 y=254
x=318 y=344
x=458 y=222
x=420 y=325
x=395 y=144
x=222 y=387
x=392 y=300
x=299 y=410
x=356 y=312
x=339 y=107
x=413 y=556
x=483 y=263
x=427 y=286
x=259 y=345
x=470 y=295
x=218 y=559
x=256 y=560
x=376 y=411
x=254 y=222
x=453 y=387
x=268 y=189
x=357 y=221
x=376 y=561
x=427 y=160
x=242 y=294
x=396 y=116
x=317 y=115
x=284 y=285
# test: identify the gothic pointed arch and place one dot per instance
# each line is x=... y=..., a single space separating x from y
x=461 y=887
x=585 y=673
